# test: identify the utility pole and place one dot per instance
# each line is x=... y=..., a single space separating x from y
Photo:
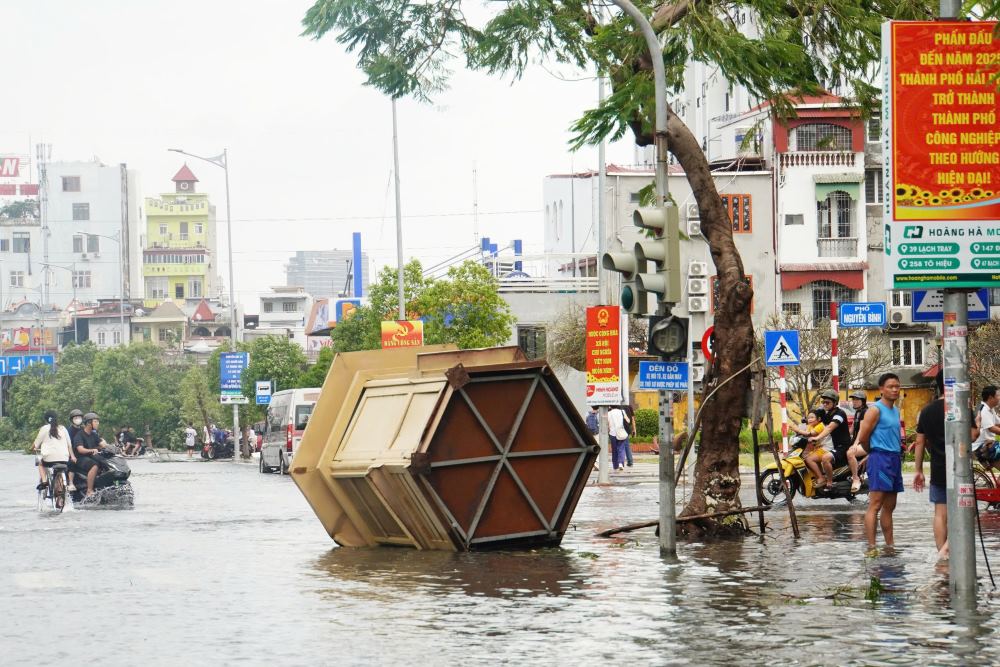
x=399 y=214
x=42 y=151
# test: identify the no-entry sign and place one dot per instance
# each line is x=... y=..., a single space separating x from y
x=708 y=344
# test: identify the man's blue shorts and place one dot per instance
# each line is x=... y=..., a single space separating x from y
x=939 y=495
x=885 y=471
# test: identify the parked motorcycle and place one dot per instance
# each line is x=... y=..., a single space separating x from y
x=112 y=490
x=801 y=480
x=213 y=450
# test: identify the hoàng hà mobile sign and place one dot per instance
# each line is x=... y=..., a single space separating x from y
x=942 y=154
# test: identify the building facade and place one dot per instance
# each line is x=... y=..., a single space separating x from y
x=179 y=244
x=326 y=273
x=283 y=312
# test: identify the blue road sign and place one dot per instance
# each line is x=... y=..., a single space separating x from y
x=863 y=314
x=781 y=348
x=263 y=392
x=12 y=365
x=663 y=375
x=928 y=305
x=231 y=367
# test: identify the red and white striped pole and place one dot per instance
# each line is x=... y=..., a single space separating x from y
x=783 y=390
x=833 y=348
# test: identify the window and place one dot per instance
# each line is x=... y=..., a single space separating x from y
x=116 y=337
x=81 y=211
x=77 y=243
x=825 y=292
x=194 y=287
x=902 y=298
x=820 y=137
x=714 y=288
x=531 y=339
x=634 y=197
x=289 y=307
x=268 y=307
x=873 y=186
x=994 y=296
x=17 y=278
x=4 y=245
x=738 y=207
x=71 y=183
x=179 y=291
x=93 y=243
x=199 y=228
x=81 y=279
x=874 y=129
x=165 y=335
x=156 y=288
x=302 y=414
x=22 y=242
x=791 y=308
x=184 y=231
x=907 y=351
x=795 y=219
x=163 y=230
x=836 y=216
x=101 y=338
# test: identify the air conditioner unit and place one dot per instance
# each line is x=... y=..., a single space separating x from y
x=692 y=211
x=697 y=269
x=693 y=228
x=697 y=286
x=697 y=304
x=899 y=316
x=697 y=373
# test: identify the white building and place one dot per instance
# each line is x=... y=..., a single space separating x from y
x=283 y=312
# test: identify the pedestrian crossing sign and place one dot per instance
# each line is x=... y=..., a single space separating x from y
x=781 y=348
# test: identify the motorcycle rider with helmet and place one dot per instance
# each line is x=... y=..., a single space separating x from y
x=87 y=444
x=75 y=423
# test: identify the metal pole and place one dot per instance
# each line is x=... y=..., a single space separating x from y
x=961 y=492
x=399 y=214
x=121 y=286
x=783 y=397
x=603 y=464
x=949 y=9
x=72 y=281
x=834 y=353
x=668 y=520
x=232 y=290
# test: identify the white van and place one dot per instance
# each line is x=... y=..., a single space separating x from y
x=287 y=416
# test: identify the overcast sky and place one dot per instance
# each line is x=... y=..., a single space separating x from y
x=310 y=146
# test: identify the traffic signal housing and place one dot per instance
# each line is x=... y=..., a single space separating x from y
x=633 y=297
x=668 y=337
x=664 y=250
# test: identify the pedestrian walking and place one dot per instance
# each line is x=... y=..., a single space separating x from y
x=930 y=437
x=879 y=437
x=618 y=436
x=189 y=436
x=593 y=422
x=630 y=428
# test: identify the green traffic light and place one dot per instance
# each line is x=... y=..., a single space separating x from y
x=628 y=298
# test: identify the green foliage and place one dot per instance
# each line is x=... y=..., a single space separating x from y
x=464 y=308
x=647 y=422
x=273 y=358
x=199 y=403
x=315 y=375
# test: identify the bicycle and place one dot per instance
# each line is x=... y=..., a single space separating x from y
x=987 y=485
x=54 y=493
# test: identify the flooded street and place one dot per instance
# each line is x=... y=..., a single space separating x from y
x=218 y=564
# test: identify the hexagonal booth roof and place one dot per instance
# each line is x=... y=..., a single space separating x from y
x=437 y=448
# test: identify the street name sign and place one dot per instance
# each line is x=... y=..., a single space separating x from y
x=941 y=143
x=13 y=365
x=781 y=348
x=863 y=314
x=928 y=305
x=664 y=375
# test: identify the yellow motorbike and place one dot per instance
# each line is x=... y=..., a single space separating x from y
x=801 y=480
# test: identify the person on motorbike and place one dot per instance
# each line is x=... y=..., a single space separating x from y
x=87 y=444
x=818 y=452
x=856 y=453
x=53 y=445
x=835 y=426
x=75 y=423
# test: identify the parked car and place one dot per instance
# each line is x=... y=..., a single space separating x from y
x=287 y=417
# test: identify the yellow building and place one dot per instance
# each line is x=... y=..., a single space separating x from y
x=179 y=249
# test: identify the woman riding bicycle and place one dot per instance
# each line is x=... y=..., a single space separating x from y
x=54 y=446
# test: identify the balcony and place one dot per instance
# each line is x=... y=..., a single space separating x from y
x=842 y=247
x=820 y=159
x=174 y=269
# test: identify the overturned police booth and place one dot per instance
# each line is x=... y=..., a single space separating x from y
x=439 y=448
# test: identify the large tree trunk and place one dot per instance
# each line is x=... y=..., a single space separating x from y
x=717 y=474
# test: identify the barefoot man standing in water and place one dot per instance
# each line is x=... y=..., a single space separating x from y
x=880 y=437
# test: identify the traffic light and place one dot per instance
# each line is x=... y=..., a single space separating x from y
x=663 y=250
x=668 y=337
x=633 y=298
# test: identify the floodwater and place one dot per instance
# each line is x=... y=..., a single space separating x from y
x=218 y=564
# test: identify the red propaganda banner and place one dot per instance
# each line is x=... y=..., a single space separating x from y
x=402 y=333
x=945 y=131
x=603 y=350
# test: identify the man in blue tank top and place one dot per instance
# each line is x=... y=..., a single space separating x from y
x=879 y=436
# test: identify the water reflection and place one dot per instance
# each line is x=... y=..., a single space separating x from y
x=554 y=572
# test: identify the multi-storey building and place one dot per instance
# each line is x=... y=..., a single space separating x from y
x=283 y=312
x=326 y=273
x=179 y=245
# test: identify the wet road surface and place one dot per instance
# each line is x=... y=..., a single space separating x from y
x=218 y=564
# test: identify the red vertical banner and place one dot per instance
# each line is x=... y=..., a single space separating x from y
x=602 y=347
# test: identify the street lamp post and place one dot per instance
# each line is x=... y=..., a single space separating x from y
x=222 y=161
x=72 y=269
x=117 y=238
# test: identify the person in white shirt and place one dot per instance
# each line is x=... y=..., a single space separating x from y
x=618 y=431
x=989 y=427
x=189 y=436
x=52 y=444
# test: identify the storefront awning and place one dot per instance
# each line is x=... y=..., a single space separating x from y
x=849 y=274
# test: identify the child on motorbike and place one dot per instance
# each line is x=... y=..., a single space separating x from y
x=818 y=454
